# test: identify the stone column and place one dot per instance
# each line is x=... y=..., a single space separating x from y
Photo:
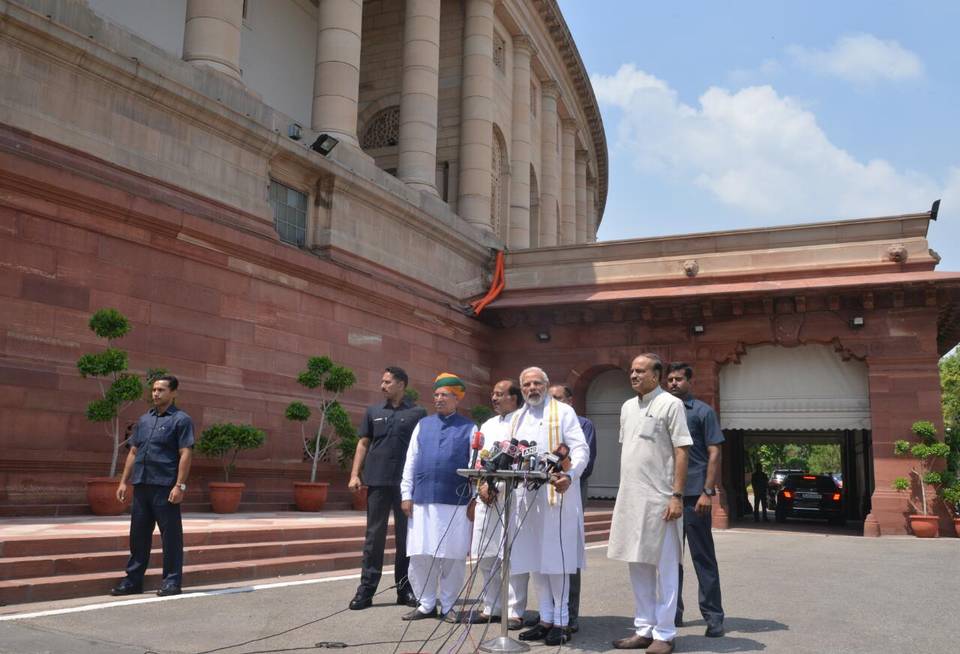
x=568 y=182
x=418 y=96
x=211 y=34
x=519 y=235
x=581 y=175
x=591 y=236
x=549 y=165
x=476 y=115
x=336 y=80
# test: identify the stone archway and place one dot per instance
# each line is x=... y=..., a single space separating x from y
x=605 y=395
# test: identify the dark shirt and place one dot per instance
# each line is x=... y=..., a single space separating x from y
x=389 y=429
x=705 y=430
x=159 y=439
x=590 y=433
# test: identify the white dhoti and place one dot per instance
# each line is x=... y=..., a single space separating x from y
x=554 y=594
x=518 y=595
x=655 y=591
x=438 y=541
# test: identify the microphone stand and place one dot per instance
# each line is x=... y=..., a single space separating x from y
x=503 y=644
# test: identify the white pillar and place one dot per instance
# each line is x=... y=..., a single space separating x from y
x=211 y=34
x=581 y=173
x=336 y=81
x=519 y=235
x=591 y=212
x=549 y=165
x=476 y=115
x=568 y=182
x=418 y=96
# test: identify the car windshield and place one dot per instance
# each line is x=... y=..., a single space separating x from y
x=822 y=483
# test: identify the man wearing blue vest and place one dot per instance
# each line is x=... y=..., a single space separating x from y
x=434 y=499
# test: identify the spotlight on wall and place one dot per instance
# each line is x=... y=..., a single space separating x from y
x=856 y=322
x=698 y=330
x=295 y=131
x=543 y=336
x=324 y=144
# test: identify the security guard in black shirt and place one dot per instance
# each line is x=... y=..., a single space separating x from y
x=161 y=450
x=384 y=436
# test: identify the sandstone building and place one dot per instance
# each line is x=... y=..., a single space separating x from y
x=156 y=157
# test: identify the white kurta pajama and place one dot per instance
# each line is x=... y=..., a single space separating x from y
x=651 y=427
x=487 y=544
x=550 y=542
x=438 y=541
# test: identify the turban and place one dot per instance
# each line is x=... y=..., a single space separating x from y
x=451 y=381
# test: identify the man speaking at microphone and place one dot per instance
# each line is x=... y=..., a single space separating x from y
x=549 y=523
x=434 y=499
x=487 y=529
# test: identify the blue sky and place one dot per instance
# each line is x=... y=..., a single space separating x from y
x=744 y=114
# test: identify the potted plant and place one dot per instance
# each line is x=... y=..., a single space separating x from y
x=224 y=441
x=923 y=522
x=119 y=389
x=330 y=381
x=951 y=498
x=480 y=413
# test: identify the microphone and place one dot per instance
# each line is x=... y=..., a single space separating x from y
x=484 y=455
x=491 y=463
x=475 y=446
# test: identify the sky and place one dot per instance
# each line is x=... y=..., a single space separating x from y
x=747 y=114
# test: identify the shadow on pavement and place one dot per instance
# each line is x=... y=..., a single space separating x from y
x=725 y=644
x=744 y=625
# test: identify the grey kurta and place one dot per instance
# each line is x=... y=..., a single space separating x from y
x=651 y=427
x=546 y=542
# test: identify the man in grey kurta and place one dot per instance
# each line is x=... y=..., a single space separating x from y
x=647 y=516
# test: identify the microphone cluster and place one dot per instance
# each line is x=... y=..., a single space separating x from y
x=522 y=455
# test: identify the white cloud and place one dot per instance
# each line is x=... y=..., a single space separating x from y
x=860 y=58
x=755 y=151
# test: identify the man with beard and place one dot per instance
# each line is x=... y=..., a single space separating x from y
x=434 y=499
x=487 y=529
x=549 y=540
x=647 y=520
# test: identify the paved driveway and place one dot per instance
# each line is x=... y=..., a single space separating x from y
x=783 y=592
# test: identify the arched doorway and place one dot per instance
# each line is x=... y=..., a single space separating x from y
x=605 y=395
x=797 y=401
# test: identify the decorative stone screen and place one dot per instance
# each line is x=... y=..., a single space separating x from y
x=383 y=130
x=499 y=53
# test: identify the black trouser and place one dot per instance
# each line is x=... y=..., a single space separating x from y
x=381 y=500
x=573 y=605
x=152 y=508
x=758 y=500
x=699 y=538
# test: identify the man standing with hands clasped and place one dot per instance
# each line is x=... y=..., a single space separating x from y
x=647 y=518
x=703 y=473
x=157 y=464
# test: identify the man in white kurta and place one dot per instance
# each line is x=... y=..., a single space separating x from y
x=434 y=499
x=547 y=529
x=647 y=516
x=487 y=543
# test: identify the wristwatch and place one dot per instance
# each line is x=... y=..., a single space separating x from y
x=679 y=496
x=182 y=487
x=709 y=492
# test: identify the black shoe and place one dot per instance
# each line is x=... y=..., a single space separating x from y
x=532 y=621
x=714 y=630
x=167 y=590
x=361 y=601
x=536 y=633
x=126 y=587
x=574 y=626
x=556 y=636
x=407 y=598
x=417 y=614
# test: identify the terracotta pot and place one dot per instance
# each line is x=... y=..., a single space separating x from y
x=359 y=499
x=225 y=496
x=956 y=525
x=102 y=496
x=925 y=526
x=310 y=496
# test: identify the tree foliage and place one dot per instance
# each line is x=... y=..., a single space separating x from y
x=334 y=431
x=481 y=413
x=226 y=440
x=925 y=452
x=950 y=399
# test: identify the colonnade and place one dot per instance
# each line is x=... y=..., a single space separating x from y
x=567 y=203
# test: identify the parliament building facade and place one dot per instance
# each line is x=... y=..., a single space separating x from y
x=252 y=183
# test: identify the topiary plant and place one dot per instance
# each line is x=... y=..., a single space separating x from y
x=330 y=380
x=119 y=388
x=225 y=440
x=480 y=413
x=926 y=452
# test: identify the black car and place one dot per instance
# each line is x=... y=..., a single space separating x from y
x=810 y=496
x=776 y=483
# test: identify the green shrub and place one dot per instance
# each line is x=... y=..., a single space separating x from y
x=925 y=453
x=226 y=440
